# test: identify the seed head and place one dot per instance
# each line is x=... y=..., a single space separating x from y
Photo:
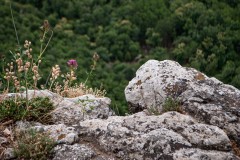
x=95 y=56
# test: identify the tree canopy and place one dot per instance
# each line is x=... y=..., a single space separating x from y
x=204 y=34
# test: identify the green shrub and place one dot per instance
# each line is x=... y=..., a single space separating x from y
x=33 y=145
x=36 y=109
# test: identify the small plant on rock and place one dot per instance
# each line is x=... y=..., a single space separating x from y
x=66 y=87
x=33 y=145
x=171 y=104
x=153 y=110
x=22 y=73
x=35 y=109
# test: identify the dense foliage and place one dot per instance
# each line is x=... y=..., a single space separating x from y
x=204 y=34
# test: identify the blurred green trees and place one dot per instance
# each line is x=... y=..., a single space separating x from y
x=204 y=34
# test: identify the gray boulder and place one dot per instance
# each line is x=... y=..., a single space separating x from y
x=206 y=99
x=73 y=110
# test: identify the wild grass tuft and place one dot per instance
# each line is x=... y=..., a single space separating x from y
x=79 y=90
x=36 y=109
x=65 y=84
x=171 y=104
x=33 y=145
x=153 y=111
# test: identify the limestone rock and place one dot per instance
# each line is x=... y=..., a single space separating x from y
x=153 y=80
x=73 y=110
x=206 y=99
x=60 y=133
x=70 y=152
x=197 y=154
x=154 y=137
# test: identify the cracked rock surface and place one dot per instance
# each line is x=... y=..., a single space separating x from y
x=206 y=99
x=156 y=137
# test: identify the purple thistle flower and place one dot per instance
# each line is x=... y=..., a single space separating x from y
x=72 y=63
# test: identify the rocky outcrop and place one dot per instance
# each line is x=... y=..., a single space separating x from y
x=206 y=99
x=72 y=110
x=86 y=129
x=66 y=116
x=157 y=137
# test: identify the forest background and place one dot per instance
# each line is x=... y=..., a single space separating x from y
x=203 y=34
